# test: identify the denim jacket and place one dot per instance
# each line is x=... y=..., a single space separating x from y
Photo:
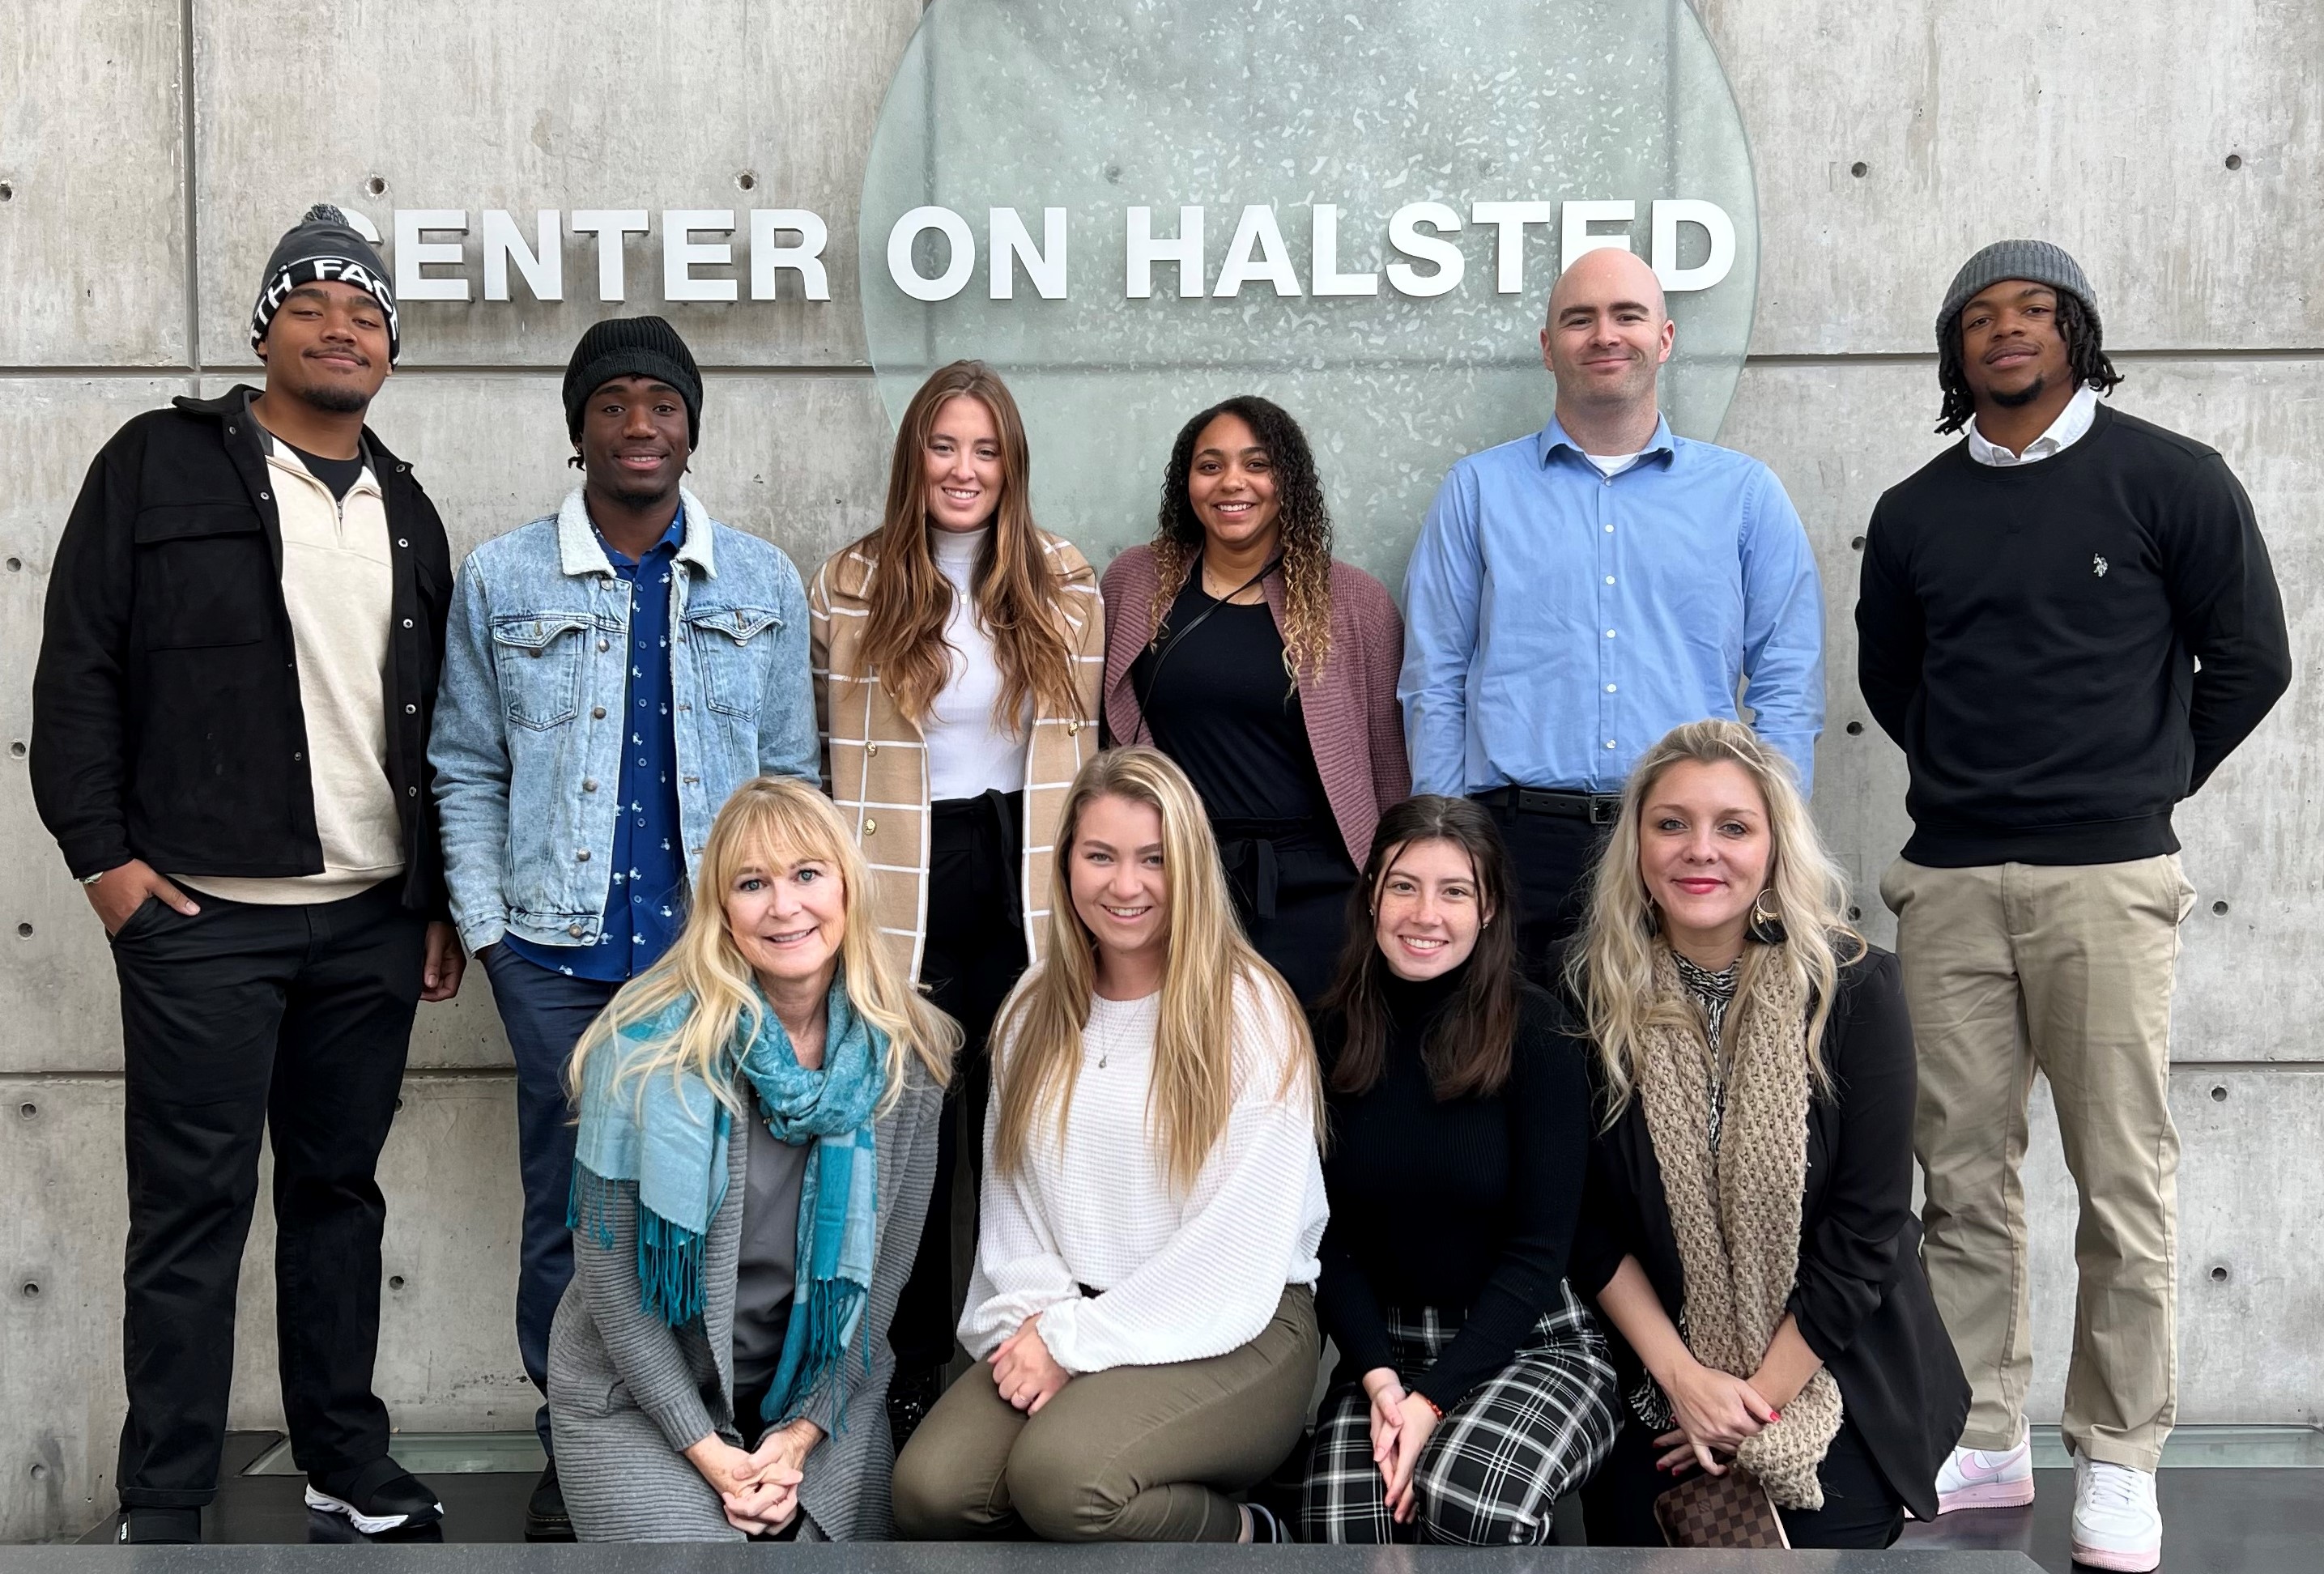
x=527 y=735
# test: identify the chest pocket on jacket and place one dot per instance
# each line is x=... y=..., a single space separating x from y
x=731 y=646
x=540 y=659
x=204 y=576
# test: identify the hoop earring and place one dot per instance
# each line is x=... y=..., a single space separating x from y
x=1766 y=923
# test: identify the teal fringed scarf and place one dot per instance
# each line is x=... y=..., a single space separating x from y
x=667 y=1141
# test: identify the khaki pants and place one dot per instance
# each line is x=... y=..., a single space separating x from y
x=1132 y=1454
x=2009 y=969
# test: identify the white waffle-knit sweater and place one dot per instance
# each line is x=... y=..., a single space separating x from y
x=1183 y=1277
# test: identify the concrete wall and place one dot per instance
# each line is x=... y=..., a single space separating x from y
x=147 y=173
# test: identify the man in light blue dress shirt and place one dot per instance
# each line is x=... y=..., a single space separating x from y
x=1578 y=592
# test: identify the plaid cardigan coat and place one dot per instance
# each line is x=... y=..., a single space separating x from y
x=875 y=761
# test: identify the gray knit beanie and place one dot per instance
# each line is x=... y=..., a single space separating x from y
x=323 y=245
x=2037 y=262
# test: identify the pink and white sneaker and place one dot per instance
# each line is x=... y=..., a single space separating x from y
x=2116 y=1524
x=1975 y=1478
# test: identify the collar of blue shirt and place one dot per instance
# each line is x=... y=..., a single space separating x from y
x=1555 y=437
x=580 y=551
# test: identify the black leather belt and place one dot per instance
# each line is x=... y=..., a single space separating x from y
x=1597 y=808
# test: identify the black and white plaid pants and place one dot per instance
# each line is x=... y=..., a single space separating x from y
x=1493 y=1470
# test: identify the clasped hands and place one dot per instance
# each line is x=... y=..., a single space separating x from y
x=1401 y=1422
x=757 y=1489
x=1024 y=1371
x=1715 y=1412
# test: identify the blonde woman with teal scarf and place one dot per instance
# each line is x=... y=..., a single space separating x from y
x=757 y=1138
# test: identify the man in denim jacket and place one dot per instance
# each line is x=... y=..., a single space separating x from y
x=611 y=672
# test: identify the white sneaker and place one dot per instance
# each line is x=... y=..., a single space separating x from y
x=1975 y=1478
x=2116 y=1525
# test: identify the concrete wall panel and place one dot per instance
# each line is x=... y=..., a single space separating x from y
x=575 y=107
x=447 y=1349
x=92 y=215
x=2105 y=128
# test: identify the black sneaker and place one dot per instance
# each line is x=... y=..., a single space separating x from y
x=381 y=1495
x=911 y=1396
x=155 y=1527
x=1266 y=1530
x=545 y=1519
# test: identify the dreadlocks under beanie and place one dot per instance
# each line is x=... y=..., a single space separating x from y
x=323 y=246
x=632 y=347
x=2036 y=262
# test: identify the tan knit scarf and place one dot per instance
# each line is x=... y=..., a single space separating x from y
x=1736 y=1213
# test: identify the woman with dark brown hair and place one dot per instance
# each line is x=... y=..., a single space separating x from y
x=1473 y=1388
x=1239 y=647
x=956 y=653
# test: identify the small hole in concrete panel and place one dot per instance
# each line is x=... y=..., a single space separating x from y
x=40 y=1472
x=1854 y=913
x=1860 y=169
x=746 y=181
x=395 y=1281
x=15 y=566
x=1855 y=729
x=32 y=1291
x=1113 y=174
x=2220 y=907
x=23 y=930
x=2234 y=161
x=2219 y=1274
x=1855 y=544
x=399 y=1106
x=7 y=192
x=26 y=1111
x=2219 y=1094
x=376 y=186
x=17 y=748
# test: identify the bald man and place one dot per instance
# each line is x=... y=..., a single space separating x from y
x=1578 y=592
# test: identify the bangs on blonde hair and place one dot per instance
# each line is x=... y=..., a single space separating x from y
x=1612 y=970
x=1192 y=1086
x=773 y=822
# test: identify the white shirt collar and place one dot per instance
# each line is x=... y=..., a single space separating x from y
x=2074 y=424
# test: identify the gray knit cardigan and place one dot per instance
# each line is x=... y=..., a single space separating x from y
x=628 y=1393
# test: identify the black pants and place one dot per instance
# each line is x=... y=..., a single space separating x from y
x=1552 y=858
x=972 y=958
x=1290 y=880
x=1860 y=1509
x=293 y=1022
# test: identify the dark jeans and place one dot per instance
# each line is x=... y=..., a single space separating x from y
x=545 y=1012
x=1552 y=858
x=1290 y=880
x=290 y=1023
x=972 y=958
x=1860 y=1509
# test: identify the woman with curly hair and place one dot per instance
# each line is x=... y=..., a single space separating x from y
x=1238 y=646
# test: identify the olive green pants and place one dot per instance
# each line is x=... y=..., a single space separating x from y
x=2010 y=969
x=1130 y=1454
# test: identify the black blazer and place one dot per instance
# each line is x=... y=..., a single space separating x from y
x=1861 y=1299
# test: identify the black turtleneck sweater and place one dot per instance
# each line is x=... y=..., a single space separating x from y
x=1467 y=1205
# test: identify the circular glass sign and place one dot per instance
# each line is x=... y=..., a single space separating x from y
x=1134 y=208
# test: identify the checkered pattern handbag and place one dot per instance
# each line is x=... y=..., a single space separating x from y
x=1732 y=1510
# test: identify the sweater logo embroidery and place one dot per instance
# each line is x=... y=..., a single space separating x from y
x=2098 y=566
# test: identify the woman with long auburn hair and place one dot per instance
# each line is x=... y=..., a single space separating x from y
x=1749 y=1229
x=956 y=652
x=1141 y=1312
x=1237 y=645
x=1473 y=1388
x=758 y=1135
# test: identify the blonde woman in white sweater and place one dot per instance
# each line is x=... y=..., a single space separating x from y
x=1142 y=1307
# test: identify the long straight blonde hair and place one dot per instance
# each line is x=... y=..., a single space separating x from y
x=1020 y=595
x=1611 y=969
x=773 y=822
x=1192 y=1088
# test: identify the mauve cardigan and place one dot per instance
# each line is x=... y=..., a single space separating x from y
x=1355 y=728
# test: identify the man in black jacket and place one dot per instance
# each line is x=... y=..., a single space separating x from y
x=2035 y=604
x=244 y=627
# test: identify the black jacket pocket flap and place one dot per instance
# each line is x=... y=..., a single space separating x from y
x=176 y=520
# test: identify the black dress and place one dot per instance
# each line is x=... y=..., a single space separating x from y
x=1218 y=700
x=1861 y=1299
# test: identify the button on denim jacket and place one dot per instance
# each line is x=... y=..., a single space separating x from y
x=527 y=736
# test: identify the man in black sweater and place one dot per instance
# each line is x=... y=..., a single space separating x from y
x=2067 y=621
x=244 y=627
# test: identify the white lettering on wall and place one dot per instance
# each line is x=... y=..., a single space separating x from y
x=542 y=263
x=1511 y=219
x=1670 y=212
x=806 y=259
x=681 y=254
x=909 y=229
x=1142 y=251
x=1404 y=235
x=1323 y=275
x=1576 y=238
x=610 y=226
x=413 y=251
x=1257 y=253
x=1008 y=242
